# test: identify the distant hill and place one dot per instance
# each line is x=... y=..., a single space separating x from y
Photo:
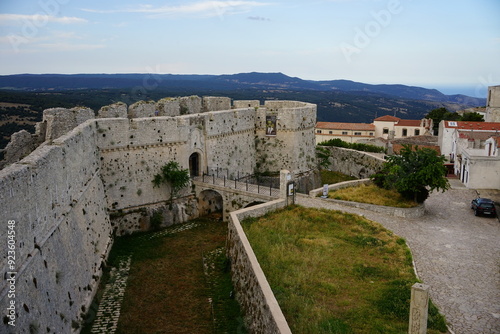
x=241 y=81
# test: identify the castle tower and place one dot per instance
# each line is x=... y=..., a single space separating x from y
x=493 y=104
x=285 y=136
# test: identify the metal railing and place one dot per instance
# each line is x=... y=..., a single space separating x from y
x=238 y=181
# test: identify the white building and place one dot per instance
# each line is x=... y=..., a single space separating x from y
x=348 y=132
x=390 y=127
x=473 y=148
x=386 y=127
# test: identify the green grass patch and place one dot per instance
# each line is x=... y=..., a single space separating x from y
x=329 y=177
x=334 y=272
x=371 y=194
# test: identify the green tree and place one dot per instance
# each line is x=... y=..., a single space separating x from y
x=173 y=175
x=472 y=117
x=414 y=173
x=440 y=114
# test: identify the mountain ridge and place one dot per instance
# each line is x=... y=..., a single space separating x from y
x=225 y=82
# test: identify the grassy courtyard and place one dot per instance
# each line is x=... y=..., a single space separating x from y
x=336 y=273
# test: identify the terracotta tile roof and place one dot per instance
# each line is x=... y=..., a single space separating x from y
x=479 y=126
x=387 y=118
x=408 y=122
x=471 y=135
x=345 y=126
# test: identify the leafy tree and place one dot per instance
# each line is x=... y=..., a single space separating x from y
x=414 y=173
x=472 y=117
x=440 y=114
x=173 y=175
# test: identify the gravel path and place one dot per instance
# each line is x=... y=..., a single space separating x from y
x=455 y=252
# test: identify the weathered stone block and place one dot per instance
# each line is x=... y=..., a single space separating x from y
x=142 y=109
x=115 y=110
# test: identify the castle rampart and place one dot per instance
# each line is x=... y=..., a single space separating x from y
x=62 y=194
x=56 y=198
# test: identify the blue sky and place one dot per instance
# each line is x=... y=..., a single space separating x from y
x=452 y=45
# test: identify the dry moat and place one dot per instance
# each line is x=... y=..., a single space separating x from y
x=178 y=282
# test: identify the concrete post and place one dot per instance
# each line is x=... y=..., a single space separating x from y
x=419 y=309
x=285 y=176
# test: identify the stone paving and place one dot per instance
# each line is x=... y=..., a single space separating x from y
x=108 y=312
x=455 y=252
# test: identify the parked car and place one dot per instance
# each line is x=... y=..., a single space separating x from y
x=483 y=206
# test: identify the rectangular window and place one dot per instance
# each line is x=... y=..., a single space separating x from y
x=318 y=131
x=357 y=133
x=344 y=133
x=330 y=132
x=417 y=132
x=386 y=131
x=371 y=133
x=405 y=132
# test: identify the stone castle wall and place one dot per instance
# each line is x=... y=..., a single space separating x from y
x=62 y=194
x=493 y=104
x=56 y=198
x=355 y=163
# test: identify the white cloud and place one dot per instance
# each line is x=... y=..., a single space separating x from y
x=258 y=18
x=201 y=8
x=61 y=47
x=37 y=19
x=54 y=41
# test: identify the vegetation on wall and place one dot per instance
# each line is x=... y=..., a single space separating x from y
x=355 y=146
x=414 y=173
x=322 y=157
x=173 y=175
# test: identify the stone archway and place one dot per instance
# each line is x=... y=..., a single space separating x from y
x=194 y=164
x=209 y=202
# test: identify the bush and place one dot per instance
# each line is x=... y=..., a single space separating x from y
x=414 y=173
x=355 y=146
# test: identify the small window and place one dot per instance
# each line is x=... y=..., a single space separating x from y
x=417 y=132
x=452 y=124
x=371 y=133
x=385 y=131
x=318 y=131
x=330 y=132
x=357 y=133
x=405 y=132
x=344 y=133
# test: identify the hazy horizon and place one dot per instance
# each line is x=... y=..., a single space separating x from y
x=472 y=90
x=426 y=43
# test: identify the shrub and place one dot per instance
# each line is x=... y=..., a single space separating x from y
x=355 y=146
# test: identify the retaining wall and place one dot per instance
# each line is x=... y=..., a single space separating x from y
x=253 y=292
x=355 y=163
x=415 y=212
